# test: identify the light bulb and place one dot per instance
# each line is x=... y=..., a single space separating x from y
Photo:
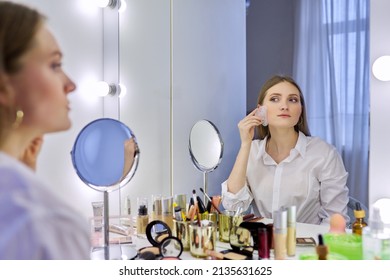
x=105 y=3
x=122 y=90
x=383 y=204
x=381 y=68
x=102 y=88
x=122 y=6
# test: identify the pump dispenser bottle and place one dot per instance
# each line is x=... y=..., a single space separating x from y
x=280 y=234
x=142 y=217
x=359 y=224
x=291 y=230
x=376 y=241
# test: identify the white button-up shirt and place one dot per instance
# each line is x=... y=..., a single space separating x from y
x=34 y=222
x=312 y=177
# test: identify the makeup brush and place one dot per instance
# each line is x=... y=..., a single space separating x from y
x=211 y=201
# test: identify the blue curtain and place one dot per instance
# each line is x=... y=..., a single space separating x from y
x=331 y=64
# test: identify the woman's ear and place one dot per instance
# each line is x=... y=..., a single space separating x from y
x=5 y=91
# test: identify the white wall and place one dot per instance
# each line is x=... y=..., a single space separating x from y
x=379 y=182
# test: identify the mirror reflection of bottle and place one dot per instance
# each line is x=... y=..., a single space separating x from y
x=360 y=223
x=280 y=234
x=291 y=231
x=167 y=211
x=157 y=208
x=142 y=215
x=263 y=248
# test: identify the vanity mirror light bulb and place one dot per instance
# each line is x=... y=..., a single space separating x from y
x=105 y=3
x=122 y=90
x=381 y=68
x=102 y=88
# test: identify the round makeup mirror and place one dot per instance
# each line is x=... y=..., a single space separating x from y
x=206 y=147
x=105 y=156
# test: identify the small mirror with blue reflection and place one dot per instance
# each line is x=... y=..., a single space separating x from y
x=105 y=154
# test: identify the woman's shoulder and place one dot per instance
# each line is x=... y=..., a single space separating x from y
x=318 y=144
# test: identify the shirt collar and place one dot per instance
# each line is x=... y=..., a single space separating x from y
x=300 y=148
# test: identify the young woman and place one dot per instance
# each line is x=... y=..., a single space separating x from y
x=34 y=222
x=285 y=166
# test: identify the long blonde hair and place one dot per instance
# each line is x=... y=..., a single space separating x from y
x=302 y=124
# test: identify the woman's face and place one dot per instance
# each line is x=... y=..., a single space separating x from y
x=41 y=86
x=283 y=105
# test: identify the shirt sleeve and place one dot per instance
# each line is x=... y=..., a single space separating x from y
x=334 y=191
x=231 y=201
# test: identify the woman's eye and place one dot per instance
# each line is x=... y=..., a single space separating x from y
x=274 y=99
x=294 y=100
x=56 y=66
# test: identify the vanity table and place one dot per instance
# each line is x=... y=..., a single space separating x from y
x=302 y=230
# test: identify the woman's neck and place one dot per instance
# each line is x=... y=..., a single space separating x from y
x=16 y=143
x=280 y=143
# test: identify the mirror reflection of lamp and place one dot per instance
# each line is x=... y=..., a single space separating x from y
x=383 y=204
x=381 y=68
x=106 y=3
x=112 y=4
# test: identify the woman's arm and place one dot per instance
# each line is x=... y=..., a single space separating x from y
x=334 y=191
x=237 y=178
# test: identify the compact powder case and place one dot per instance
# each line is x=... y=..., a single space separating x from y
x=164 y=245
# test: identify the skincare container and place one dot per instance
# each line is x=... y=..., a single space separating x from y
x=142 y=217
x=376 y=241
x=156 y=208
x=359 y=224
x=291 y=231
x=321 y=249
x=263 y=248
x=97 y=208
x=167 y=211
x=280 y=234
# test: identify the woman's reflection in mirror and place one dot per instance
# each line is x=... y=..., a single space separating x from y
x=131 y=150
x=34 y=222
x=284 y=165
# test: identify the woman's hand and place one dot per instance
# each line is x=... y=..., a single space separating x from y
x=30 y=155
x=247 y=127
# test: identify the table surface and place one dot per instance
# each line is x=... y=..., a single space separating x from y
x=302 y=230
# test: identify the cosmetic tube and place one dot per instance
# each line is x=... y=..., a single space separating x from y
x=280 y=234
x=291 y=230
x=97 y=207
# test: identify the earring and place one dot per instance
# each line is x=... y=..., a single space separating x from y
x=18 y=119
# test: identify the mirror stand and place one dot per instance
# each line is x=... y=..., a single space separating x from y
x=106 y=227
x=205 y=184
x=105 y=155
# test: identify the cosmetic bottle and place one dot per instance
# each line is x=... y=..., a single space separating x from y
x=322 y=249
x=263 y=248
x=280 y=234
x=359 y=224
x=376 y=241
x=142 y=217
x=291 y=231
x=167 y=211
x=156 y=208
